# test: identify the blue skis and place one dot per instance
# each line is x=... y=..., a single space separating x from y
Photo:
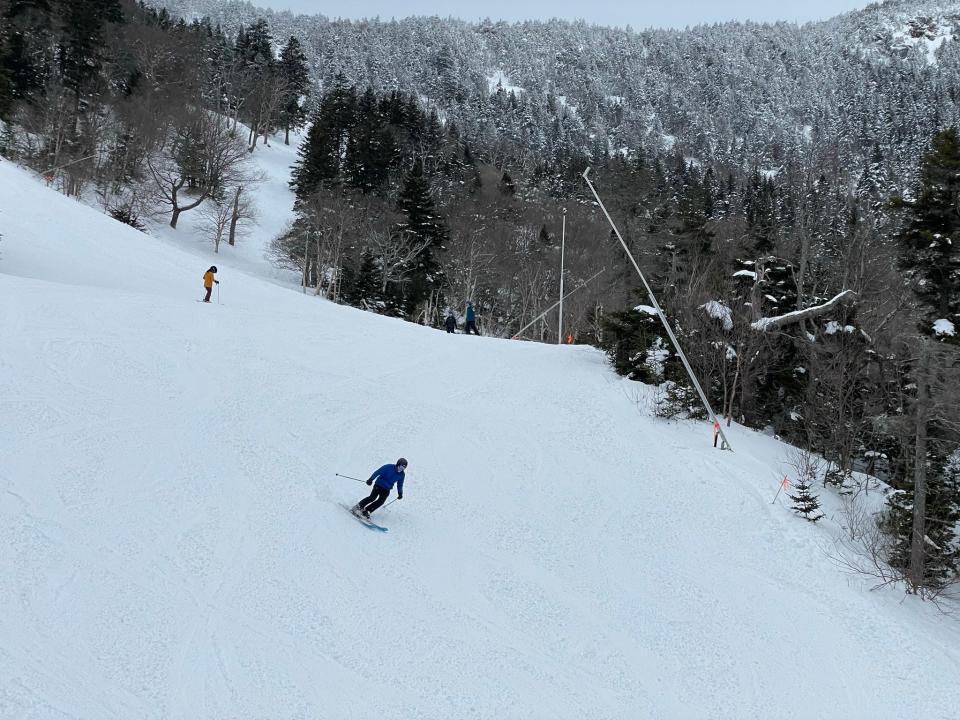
x=363 y=520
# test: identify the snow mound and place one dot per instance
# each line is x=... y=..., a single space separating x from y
x=719 y=311
x=944 y=327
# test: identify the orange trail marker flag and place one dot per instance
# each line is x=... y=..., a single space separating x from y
x=784 y=485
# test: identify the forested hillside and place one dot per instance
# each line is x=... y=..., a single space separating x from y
x=778 y=97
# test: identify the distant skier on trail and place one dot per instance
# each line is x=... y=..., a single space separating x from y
x=471 y=320
x=209 y=280
x=386 y=477
x=450 y=323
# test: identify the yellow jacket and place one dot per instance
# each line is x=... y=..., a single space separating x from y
x=208 y=279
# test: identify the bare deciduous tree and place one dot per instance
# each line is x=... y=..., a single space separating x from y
x=468 y=260
x=242 y=211
x=215 y=217
x=396 y=253
x=201 y=158
x=268 y=95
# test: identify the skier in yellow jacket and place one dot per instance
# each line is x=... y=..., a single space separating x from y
x=208 y=281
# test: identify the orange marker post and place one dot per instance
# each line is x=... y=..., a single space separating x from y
x=784 y=485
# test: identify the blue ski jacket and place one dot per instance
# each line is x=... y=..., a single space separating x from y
x=388 y=476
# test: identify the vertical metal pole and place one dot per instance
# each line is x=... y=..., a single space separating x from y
x=663 y=318
x=563 y=243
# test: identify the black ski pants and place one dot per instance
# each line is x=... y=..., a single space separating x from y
x=375 y=499
x=472 y=327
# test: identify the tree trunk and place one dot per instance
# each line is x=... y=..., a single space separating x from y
x=286 y=137
x=174 y=189
x=320 y=270
x=177 y=209
x=918 y=534
x=801 y=276
x=234 y=217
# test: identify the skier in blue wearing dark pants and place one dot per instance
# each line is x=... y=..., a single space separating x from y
x=386 y=477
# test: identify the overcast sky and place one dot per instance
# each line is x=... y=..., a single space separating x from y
x=639 y=14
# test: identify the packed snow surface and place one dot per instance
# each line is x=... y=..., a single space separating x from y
x=173 y=542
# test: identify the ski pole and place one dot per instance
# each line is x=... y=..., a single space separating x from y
x=349 y=478
x=389 y=503
x=218 y=293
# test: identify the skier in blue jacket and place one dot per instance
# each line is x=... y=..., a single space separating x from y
x=386 y=477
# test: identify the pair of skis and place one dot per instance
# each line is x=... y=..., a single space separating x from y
x=365 y=521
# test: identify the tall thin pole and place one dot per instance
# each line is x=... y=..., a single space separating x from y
x=663 y=318
x=563 y=242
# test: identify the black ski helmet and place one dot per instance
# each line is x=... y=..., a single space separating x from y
x=402 y=462
x=213 y=269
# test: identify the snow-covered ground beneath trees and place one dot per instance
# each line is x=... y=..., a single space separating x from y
x=173 y=542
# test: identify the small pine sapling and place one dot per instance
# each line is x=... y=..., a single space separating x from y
x=805 y=502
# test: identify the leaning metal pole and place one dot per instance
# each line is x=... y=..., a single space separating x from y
x=583 y=284
x=663 y=318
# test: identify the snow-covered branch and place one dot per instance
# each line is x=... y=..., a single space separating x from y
x=767 y=324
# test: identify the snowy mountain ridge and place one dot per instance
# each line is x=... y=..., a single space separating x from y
x=172 y=541
x=736 y=95
x=926 y=28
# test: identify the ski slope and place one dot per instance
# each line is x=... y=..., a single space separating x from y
x=173 y=542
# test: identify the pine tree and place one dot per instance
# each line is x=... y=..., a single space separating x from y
x=6 y=85
x=293 y=69
x=760 y=208
x=257 y=48
x=25 y=55
x=942 y=553
x=423 y=221
x=444 y=85
x=923 y=516
x=361 y=283
x=371 y=149
x=872 y=184
x=323 y=152
x=930 y=245
x=805 y=501
x=416 y=202
x=82 y=41
x=627 y=338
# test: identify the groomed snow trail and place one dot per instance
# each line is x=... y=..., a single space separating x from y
x=172 y=543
